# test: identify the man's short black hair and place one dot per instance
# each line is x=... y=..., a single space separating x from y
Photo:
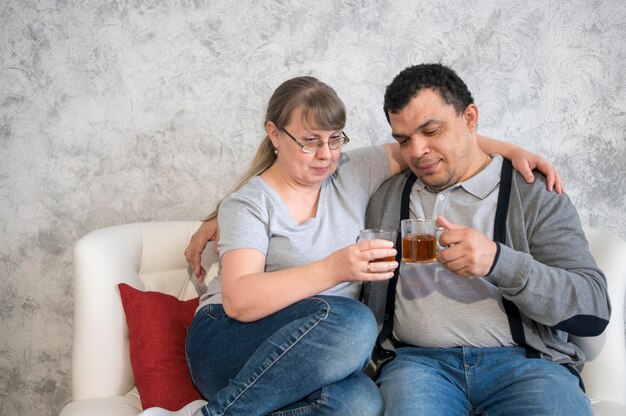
x=412 y=80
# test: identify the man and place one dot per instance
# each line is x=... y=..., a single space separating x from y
x=484 y=330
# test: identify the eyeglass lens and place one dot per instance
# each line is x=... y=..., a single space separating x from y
x=333 y=143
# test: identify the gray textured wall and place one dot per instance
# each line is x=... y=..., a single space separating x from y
x=119 y=111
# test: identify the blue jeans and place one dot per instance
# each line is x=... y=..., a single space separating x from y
x=478 y=381
x=306 y=359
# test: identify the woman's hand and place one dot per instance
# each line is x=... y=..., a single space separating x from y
x=363 y=261
x=208 y=231
x=525 y=161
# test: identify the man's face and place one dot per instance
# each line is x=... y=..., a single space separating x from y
x=436 y=143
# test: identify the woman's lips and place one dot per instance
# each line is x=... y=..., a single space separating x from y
x=321 y=170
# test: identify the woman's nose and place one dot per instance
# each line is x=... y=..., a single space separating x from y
x=324 y=151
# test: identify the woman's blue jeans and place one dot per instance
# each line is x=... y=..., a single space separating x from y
x=478 y=381
x=306 y=359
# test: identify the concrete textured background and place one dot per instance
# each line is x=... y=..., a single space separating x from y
x=127 y=110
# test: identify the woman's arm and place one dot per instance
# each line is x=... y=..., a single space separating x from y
x=249 y=293
x=396 y=161
x=523 y=160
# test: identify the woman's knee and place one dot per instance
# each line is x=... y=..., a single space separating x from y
x=353 y=323
x=351 y=315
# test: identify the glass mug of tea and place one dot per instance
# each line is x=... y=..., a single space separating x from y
x=419 y=241
x=379 y=234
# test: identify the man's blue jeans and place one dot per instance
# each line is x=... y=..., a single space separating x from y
x=306 y=359
x=478 y=381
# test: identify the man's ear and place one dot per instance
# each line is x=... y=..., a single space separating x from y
x=470 y=115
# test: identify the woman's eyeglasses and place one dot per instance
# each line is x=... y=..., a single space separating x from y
x=313 y=145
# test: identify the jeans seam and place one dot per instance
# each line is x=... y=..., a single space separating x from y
x=202 y=314
x=187 y=359
x=277 y=358
x=304 y=408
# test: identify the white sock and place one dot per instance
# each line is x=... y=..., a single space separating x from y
x=188 y=410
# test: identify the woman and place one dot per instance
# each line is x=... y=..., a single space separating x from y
x=281 y=329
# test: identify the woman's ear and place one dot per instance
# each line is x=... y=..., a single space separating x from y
x=272 y=133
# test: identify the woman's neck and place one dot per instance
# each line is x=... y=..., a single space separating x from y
x=301 y=200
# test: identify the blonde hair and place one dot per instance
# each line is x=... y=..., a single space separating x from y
x=320 y=106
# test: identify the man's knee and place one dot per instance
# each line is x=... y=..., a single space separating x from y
x=361 y=397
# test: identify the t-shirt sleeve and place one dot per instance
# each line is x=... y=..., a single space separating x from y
x=365 y=167
x=243 y=224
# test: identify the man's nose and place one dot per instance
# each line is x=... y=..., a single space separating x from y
x=418 y=146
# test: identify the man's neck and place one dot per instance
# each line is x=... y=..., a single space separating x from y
x=479 y=163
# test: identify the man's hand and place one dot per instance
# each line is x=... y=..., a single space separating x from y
x=467 y=252
x=208 y=231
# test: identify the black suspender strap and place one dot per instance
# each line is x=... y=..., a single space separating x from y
x=385 y=332
x=499 y=235
x=506 y=175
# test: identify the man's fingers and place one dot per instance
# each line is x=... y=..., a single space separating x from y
x=448 y=225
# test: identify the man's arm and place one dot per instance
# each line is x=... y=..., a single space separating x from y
x=546 y=269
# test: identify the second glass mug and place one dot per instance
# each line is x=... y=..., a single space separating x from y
x=379 y=234
x=419 y=240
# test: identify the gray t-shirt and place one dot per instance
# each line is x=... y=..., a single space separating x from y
x=436 y=308
x=256 y=217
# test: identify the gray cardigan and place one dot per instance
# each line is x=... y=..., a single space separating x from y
x=545 y=268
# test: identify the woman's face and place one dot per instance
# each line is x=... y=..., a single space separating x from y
x=307 y=169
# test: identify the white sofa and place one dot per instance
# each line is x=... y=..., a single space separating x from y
x=149 y=256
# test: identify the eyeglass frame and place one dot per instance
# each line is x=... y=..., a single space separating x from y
x=319 y=142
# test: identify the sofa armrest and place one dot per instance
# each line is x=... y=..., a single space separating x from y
x=127 y=405
x=147 y=256
x=604 y=371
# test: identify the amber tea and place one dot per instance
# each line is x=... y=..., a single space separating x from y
x=390 y=258
x=419 y=241
x=418 y=248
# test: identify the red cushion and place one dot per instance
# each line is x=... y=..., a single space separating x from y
x=157 y=327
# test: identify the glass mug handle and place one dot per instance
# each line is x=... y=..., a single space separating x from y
x=438 y=232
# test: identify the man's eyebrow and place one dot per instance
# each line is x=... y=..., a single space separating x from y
x=418 y=128
x=427 y=123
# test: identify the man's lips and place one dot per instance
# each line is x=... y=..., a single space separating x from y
x=428 y=167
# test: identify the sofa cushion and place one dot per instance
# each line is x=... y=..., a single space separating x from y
x=157 y=327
